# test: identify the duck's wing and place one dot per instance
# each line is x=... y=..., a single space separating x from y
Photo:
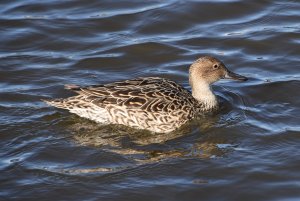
x=152 y=94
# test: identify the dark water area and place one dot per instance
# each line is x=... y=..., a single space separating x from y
x=248 y=150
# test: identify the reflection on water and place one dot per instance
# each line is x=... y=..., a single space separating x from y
x=145 y=147
x=248 y=150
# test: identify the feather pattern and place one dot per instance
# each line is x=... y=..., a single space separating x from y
x=152 y=103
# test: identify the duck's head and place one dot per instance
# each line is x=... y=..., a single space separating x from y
x=208 y=69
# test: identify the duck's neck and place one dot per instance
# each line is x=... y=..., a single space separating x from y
x=203 y=93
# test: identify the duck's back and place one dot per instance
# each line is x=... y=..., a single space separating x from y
x=152 y=103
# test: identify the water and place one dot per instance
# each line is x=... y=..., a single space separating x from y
x=249 y=150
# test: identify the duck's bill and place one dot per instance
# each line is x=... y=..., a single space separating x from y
x=234 y=76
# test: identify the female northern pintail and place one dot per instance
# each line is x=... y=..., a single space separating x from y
x=152 y=103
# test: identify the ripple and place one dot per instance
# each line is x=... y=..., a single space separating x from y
x=246 y=150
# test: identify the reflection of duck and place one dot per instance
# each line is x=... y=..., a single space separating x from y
x=152 y=103
x=143 y=147
x=90 y=134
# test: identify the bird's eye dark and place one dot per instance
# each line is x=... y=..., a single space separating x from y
x=216 y=66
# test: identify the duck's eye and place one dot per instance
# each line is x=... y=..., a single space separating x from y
x=216 y=66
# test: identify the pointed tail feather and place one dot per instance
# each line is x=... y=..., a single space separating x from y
x=59 y=103
x=69 y=103
x=72 y=87
x=79 y=106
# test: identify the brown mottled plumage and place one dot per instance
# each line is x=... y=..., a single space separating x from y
x=152 y=103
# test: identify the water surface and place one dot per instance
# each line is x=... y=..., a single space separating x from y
x=249 y=150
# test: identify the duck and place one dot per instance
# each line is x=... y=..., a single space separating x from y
x=156 y=104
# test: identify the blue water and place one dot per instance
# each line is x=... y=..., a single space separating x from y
x=248 y=150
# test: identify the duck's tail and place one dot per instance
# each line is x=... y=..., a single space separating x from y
x=67 y=103
x=59 y=103
x=77 y=105
x=72 y=87
x=70 y=103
